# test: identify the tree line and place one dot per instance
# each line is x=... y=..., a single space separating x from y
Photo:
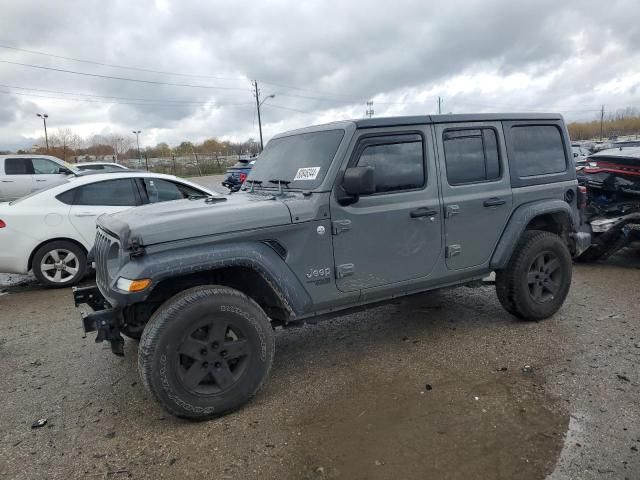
x=621 y=122
x=69 y=146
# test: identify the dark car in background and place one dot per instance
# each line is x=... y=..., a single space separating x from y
x=237 y=174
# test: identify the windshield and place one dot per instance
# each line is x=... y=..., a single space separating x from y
x=301 y=159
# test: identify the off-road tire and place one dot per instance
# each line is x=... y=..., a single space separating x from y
x=45 y=251
x=512 y=283
x=193 y=316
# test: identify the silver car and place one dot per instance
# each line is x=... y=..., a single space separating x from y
x=21 y=175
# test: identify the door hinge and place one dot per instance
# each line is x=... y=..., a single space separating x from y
x=344 y=270
x=452 y=210
x=453 y=250
x=339 y=226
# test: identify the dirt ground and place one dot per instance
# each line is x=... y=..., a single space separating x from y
x=429 y=387
x=444 y=385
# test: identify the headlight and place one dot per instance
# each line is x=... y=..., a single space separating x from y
x=127 y=285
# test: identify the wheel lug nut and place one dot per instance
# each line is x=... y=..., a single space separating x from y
x=223 y=353
x=203 y=352
x=214 y=345
x=205 y=364
x=217 y=365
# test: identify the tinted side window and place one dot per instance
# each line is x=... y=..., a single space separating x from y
x=43 y=166
x=398 y=166
x=538 y=150
x=18 y=166
x=118 y=193
x=471 y=155
x=159 y=190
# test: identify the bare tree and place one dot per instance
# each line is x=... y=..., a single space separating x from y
x=119 y=144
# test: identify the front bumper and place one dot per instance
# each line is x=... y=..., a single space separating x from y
x=104 y=319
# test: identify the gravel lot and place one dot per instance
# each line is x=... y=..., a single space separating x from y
x=429 y=387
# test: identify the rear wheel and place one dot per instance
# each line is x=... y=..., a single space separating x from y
x=59 y=264
x=536 y=281
x=206 y=352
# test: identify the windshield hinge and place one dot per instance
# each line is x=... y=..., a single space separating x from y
x=136 y=249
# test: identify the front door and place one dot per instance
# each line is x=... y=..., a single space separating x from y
x=46 y=173
x=476 y=188
x=392 y=235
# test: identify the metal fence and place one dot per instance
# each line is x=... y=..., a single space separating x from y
x=184 y=166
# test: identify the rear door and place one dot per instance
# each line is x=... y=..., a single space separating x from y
x=92 y=200
x=476 y=190
x=17 y=179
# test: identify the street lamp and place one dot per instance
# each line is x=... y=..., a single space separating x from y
x=137 y=133
x=44 y=117
x=259 y=104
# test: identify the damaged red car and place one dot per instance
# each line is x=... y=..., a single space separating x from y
x=611 y=194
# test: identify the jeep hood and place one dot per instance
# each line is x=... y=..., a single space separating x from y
x=181 y=219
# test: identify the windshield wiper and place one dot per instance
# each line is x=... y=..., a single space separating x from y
x=253 y=183
x=280 y=183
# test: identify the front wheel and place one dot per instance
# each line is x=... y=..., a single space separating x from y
x=536 y=281
x=206 y=352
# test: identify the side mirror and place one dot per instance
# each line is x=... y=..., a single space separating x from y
x=359 y=181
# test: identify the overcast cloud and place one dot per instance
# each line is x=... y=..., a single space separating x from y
x=322 y=59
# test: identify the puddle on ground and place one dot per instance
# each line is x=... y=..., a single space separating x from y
x=506 y=426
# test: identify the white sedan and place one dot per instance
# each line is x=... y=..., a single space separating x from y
x=51 y=231
x=99 y=166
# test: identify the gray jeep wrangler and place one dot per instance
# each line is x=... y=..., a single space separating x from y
x=331 y=218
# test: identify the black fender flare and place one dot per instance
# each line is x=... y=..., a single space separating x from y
x=519 y=220
x=182 y=261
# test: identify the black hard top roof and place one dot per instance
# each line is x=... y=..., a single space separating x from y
x=462 y=117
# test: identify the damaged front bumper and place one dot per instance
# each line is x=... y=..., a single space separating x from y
x=104 y=319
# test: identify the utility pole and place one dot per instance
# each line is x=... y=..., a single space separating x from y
x=44 y=117
x=601 y=122
x=439 y=105
x=369 y=112
x=258 y=105
x=137 y=133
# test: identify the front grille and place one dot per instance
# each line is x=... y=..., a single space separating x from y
x=101 y=249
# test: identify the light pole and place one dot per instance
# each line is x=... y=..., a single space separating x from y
x=258 y=105
x=137 y=133
x=44 y=117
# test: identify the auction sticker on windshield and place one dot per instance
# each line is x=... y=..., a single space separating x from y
x=307 y=173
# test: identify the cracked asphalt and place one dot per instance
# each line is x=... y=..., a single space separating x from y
x=440 y=385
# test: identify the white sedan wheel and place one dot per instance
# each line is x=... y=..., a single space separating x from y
x=59 y=265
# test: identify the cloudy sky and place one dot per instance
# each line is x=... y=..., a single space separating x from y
x=194 y=62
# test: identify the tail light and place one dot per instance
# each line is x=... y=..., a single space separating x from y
x=2 y=224
x=243 y=177
x=582 y=197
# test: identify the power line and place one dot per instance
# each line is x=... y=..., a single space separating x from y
x=164 y=72
x=123 y=67
x=6 y=92
x=111 y=77
x=106 y=96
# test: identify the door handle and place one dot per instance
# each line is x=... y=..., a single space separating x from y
x=40 y=180
x=8 y=181
x=84 y=214
x=423 y=212
x=494 y=202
